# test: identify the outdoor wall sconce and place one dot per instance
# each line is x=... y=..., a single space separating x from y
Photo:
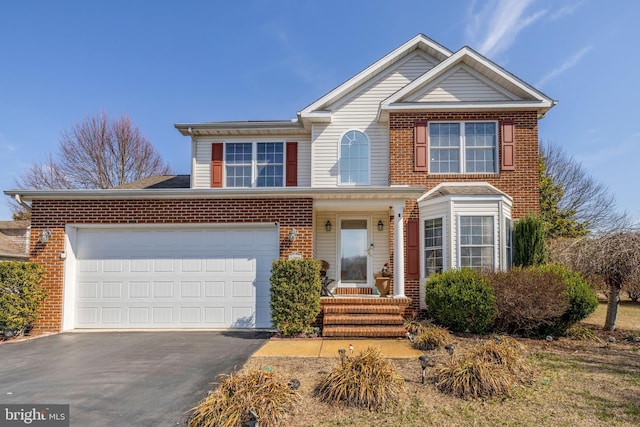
x=293 y=233
x=380 y=225
x=44 y=236
x=327 y=226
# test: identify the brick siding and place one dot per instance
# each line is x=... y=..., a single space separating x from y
x=54 y=215
x=522 y=184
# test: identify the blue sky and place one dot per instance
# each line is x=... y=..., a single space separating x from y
x=166 y=62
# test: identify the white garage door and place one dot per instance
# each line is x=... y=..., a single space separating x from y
x=185 y=278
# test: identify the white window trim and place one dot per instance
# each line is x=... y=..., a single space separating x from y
x=338 y=272
x=254 y=161
x=445 y=236
x=462 y=147
x=445 y=252
x=496 y=243
x=354 y=184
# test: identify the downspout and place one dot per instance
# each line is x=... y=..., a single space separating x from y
x=22 y=202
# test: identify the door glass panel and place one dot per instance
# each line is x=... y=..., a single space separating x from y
x=353 y=251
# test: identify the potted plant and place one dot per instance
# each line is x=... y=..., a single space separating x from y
x=383 y=280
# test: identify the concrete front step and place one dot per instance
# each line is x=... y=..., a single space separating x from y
x=363 y=319
x=379 y=331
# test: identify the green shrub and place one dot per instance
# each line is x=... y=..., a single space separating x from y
x=364 y=381
x=528 y=233
x=527 y=299
x=582 y=300
x=262 y=392
x=295 y=295
x=461 y=300
x=494 y=368
x=20 y=294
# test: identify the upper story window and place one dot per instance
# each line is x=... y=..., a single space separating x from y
x=354 y=158
x=463 y=147
x=254 y=164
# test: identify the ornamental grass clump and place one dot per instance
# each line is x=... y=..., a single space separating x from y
x=240 y=393
x=494 y=368
x=580 y=333
x=365 y=381
x=426 y=335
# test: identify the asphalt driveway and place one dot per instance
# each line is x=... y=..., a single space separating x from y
x=122 y=378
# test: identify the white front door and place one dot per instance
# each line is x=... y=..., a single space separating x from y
x=354 y=252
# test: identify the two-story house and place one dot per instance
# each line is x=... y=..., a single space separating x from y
x=421 y=161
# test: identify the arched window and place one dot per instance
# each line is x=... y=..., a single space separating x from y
x=354 y=158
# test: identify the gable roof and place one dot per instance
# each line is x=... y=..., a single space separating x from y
x=420 y=41
x=523 y=95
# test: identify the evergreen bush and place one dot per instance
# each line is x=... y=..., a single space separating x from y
x=295 y=295
x=20 y=295
x=528 y=241
x=461 y=300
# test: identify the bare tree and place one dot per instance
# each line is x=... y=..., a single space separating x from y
x=612 y=257
x=590 y=202
x=98 y=152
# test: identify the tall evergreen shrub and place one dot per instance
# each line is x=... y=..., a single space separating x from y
x=529 y=242
x=20 y=295
x=295 y=295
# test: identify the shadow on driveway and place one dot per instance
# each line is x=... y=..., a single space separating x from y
x=123 y=378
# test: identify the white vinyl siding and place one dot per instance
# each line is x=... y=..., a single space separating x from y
x=326 y=242
x=358 y=110
x=201 y=173
x=462 y=85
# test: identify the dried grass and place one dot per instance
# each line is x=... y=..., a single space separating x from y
x=426 y=335
x=366 y=381
x=493 y=368
x=257 y=390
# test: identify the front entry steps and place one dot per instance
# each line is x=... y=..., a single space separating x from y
x=363 y=317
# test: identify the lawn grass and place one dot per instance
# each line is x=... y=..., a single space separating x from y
x=581 y=383
x=628 y=315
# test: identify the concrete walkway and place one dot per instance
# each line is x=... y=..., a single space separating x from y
x=390 y=348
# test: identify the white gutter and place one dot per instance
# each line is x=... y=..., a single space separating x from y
x=394 y=192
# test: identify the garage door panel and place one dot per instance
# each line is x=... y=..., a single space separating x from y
x=174 y=278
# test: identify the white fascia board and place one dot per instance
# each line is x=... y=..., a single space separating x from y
x=222 y=193
x=461 y=184
x=463 y=54
x=540 y=107
x=375 y=68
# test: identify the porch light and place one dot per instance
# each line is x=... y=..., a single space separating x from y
x=380 y=225
x=44 y=236
x=327 y=226
x=293 y=233
x=424 y=362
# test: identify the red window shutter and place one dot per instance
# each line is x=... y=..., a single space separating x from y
x=508 y=146
x=413 y=249
x=420 y=147
x=291 y=179
x=217 y=151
